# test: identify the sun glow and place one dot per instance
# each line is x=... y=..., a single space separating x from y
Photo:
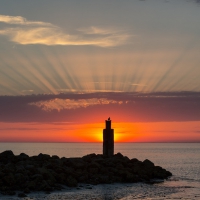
x=124 y=132
x=99 y=136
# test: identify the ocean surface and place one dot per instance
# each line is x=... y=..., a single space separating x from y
x=182 y=159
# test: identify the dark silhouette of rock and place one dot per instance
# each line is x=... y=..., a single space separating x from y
x=6 y=154
x=22 y=195
x=48 y=173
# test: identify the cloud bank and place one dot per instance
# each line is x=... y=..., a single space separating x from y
x=92 y=107
x=61 y=104
x=38 y=32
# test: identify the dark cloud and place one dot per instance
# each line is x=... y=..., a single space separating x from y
x=136 y=107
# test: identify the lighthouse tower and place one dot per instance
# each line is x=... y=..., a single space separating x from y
x=108 y=139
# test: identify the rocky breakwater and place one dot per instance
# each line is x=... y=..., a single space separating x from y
x=48 y=173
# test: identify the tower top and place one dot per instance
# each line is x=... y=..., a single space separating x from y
x=108 y=123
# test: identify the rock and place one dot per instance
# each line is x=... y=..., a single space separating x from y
x=6 y=154
x=9 y=179
x=93 y=170
x=43 y=157
x=104 y=179
x=27 y=191
x=134 y=160
x=8 y=192
x=22 y=195
x=83 y=178
x=19 y=178
x=20 y=169
x=131 y=178
x=31 y=185
x=94 y=165
x=119 y=166
x=168 y=174
x=10 y=167
x=118 y=155
x=153 y=181
x=29 y=167
x=42 y=170
x=159 y=172
x=43 y=186
x=2 y=174
x=37 y=177
x=76 y=163
x=71 y=182
x=45 y=173
x=89 y=187
x=55 y=157
x=89 y=157
x=23 y=156
x=62 y=178
x=148 y=163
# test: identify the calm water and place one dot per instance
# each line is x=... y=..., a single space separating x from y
x=182 y=159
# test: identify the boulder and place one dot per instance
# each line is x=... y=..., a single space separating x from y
x=55 y=157
x=76 y=163
x=22 y=195
x=134 y=160
x=147 y=163
x=6 y=154
x=31 y=185
x=118 y=155
x=37 y=178
x=43 y=157
x=9 y=179
x=83 y=178
x=20 y=168
x=23 y=156
x=71 y=182
x=19 y=178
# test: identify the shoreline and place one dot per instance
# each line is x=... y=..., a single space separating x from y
x=115 y=191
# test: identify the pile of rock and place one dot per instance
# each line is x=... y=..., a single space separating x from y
x=48 y=173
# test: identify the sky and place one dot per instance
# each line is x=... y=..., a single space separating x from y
x=66 y=66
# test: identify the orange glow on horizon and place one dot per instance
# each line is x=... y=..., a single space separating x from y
x=124 y=132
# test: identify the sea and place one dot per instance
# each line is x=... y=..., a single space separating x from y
x=182 y=159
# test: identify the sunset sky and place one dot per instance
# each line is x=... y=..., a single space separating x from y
x=66 y=66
